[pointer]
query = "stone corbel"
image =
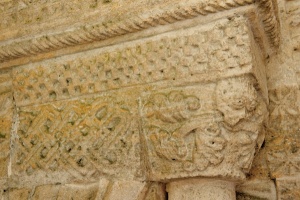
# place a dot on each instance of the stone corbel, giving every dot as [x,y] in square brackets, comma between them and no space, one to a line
[210,130]
[201,103]
[186,138]
[195,93]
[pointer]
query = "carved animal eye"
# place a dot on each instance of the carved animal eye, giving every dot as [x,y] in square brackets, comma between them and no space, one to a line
[238,104]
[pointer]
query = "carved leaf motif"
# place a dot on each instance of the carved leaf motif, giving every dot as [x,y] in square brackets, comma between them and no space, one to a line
[210,143]
[173,107]
[283,156]
[283,163]
[168,146]
[284,108]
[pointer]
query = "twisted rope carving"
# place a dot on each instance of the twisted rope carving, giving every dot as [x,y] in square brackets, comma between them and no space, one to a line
[88,34]
[267,12]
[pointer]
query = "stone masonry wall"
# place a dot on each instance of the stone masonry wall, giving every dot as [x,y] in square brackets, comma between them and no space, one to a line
[72,125]
[279,159]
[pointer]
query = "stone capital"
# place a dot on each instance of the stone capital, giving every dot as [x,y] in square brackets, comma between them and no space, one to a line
[187,138]
[166,91]
[195,98]
[212,125]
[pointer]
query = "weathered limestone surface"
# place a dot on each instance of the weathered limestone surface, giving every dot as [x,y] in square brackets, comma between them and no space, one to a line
[189,128]
[97,105]
[201,190]
[80,138]
[288,188]
[99,23]
[221,48]
[282,141]
[6,119]
[279,158]
[187,136]
[105,189]
[16,14]
[256,189]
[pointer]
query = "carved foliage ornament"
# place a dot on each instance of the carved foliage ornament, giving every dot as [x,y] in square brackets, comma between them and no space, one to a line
[283,132]
[228,136]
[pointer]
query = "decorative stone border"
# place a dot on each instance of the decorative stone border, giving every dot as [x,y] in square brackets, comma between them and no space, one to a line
[169,13]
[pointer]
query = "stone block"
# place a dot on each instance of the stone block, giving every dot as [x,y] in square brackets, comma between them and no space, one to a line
[283,136]
[6,119]
[130,190]
[20,194]
[263,189]
[104,184]
[78,192]
[288,188]
[200,189]
[79,139]
[283,153]
[292,19]
[4,189]
[201,53]
[104,189]
[199,131]
[156,191]
[49,192]
[5,130]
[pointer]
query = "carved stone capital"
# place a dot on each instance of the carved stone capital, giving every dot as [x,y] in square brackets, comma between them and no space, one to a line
[215,126]
[186,137]
[184,102]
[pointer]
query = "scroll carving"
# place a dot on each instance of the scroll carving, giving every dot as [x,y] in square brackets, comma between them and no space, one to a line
[199,141]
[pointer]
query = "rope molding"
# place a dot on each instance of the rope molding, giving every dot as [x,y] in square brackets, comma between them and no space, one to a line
[270,21]
[98,32]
